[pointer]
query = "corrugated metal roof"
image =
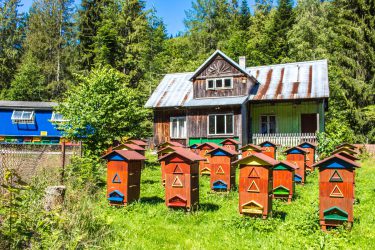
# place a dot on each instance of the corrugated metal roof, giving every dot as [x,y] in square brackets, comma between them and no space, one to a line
[218,101]
[23,104]
[300,80]
[173,91]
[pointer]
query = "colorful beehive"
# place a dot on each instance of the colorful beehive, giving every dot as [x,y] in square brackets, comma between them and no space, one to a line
[283,180]
[162,152]
[250,149]
[223,174]
[181,178]
[194,148]
[129,146]
[336,190]
[140,143]
[346,150]
[170,144]
[231,144]
[123,176]
[269,149]
[310,157]
[205,166]
[255,184]
[297,156]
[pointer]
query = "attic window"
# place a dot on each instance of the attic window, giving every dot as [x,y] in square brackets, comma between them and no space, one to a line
[23,116]
[219,83]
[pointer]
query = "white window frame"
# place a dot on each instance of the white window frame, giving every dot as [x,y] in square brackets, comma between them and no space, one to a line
[225,124]
[53,118]
[21,119]
[178,118]
[223,81]
[268,123]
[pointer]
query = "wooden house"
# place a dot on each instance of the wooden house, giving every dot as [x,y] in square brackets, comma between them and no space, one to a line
[205,166]
[310,157]
[250,149]
[225,99]
[230,143]
[161,153]
[297,156]
[255,184]
[269,149]
[223,173]
[123,176]
[336,190]
[283,180]
[181,179]
[129,146]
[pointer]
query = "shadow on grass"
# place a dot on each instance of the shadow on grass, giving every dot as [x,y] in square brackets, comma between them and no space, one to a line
[279,214]
[153,200]
[149,181]
[208,207]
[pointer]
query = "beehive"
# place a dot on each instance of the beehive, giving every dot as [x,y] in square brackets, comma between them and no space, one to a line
[232,144]
[269,149]
[297,156]
[161,153]
[310,157]
[283,180]
[249,149]
[205,166]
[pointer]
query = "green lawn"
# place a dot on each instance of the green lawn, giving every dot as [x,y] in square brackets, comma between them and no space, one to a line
[149,224]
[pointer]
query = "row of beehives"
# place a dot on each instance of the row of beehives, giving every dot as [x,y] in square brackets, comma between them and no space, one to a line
[261,176]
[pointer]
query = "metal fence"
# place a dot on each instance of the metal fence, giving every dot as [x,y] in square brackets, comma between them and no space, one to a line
[285,139]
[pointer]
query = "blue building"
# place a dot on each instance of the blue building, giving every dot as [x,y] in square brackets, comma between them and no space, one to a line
[29,123]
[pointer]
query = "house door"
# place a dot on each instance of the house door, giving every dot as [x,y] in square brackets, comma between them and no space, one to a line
[308,123]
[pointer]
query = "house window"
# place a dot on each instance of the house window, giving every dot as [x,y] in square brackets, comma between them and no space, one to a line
[56,117]
[219,83]
[268,124]
[220,124]
[178,127]
[23,117]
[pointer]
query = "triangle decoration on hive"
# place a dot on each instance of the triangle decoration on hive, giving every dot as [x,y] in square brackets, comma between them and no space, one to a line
[220,170]
[177,182]
[253,173]
[116,179]
[336,192]
[177,170]
[335,177]
[253,188]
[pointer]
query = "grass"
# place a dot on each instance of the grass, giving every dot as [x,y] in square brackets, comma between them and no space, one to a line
[149,224]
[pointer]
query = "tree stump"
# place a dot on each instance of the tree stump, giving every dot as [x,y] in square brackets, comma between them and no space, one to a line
[54,197]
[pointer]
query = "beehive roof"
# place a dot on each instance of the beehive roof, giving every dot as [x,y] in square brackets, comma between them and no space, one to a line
[138,142]
[129,146]
[127,154]
[227,150]
[348,150]
[256,147]
[260,156]
[185,153]
[211,144]
[298,148]
[309,143]
[168,147]
[230,140]
[172,143]
[267,142]
[336,156]
[288,164]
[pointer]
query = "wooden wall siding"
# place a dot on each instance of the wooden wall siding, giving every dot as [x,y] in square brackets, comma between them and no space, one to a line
[288,115]
[162,125]
[197,120]
[221,68]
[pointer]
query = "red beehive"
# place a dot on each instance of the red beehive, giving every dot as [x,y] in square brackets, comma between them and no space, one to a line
[140,143]
[194,148]
[129,146]
[310,157]
[297,156]
[123,176]
[170,144]
[336,190]
[269,149]
[255,184]
[231,144]
[283,180]
[162,152]
[250,149]
[223,174]
[205,166]
[181,178]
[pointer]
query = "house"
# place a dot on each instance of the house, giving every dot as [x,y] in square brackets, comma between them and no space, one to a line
[224,99]
[29,123]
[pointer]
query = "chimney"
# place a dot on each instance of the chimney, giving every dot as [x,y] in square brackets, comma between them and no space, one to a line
[242,61]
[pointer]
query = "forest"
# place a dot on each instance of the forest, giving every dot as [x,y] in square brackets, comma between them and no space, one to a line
[46,53]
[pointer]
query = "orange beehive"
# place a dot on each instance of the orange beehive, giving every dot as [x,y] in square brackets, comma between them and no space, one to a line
[250,149]
[230,143]
[181,178]
[269,149]
[310,157]
[194,148]
[170,144]
[123,176]
[162,152]
[283,180]
[336,190]
[255,184]
[205,166]
[297,156]
[223,174]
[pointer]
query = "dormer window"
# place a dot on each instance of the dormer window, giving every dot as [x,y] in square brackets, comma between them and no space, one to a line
[219,83]
[23,117]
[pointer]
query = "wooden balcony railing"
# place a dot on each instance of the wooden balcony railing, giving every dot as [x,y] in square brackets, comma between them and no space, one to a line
[285,139]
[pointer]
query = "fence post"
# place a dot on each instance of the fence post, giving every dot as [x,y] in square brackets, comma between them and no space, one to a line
[62,162]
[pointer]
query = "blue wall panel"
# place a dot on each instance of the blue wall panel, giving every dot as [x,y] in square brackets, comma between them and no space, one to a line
[42,123]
